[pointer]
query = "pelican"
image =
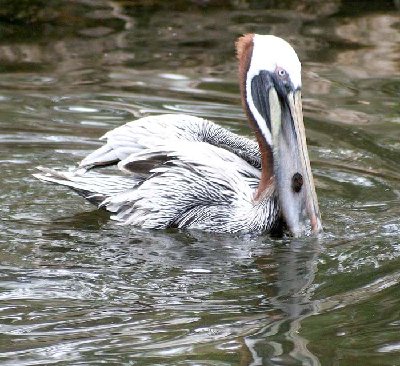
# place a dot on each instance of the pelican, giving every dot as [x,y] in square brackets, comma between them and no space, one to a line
[180,171]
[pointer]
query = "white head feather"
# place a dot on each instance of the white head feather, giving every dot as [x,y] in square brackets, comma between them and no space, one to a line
[269,53]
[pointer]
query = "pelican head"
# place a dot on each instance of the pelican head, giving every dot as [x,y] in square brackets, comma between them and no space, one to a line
[270,83]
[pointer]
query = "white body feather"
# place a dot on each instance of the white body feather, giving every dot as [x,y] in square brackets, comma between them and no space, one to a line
[178,171]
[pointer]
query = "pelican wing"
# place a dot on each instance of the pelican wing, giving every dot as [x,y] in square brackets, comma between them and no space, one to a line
[199,186]
[147,132]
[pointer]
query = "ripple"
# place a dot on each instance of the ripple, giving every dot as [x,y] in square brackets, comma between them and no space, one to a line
[96,31]
[394,347]
[343,177]
[80,109]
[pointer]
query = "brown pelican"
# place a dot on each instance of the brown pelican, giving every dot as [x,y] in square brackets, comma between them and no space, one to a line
[187,172]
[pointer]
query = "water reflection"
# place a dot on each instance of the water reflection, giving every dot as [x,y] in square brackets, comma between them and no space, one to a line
[295,264]
[76,288]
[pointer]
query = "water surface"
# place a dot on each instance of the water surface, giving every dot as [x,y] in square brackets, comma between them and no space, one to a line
[76,289]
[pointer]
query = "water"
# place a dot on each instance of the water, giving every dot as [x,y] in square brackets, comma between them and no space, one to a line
[75,289]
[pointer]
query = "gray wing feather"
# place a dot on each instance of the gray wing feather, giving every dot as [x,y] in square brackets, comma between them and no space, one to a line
[200,186]
[94,187]
[150,131]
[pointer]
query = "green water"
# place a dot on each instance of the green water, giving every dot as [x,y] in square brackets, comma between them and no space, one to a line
[76,289]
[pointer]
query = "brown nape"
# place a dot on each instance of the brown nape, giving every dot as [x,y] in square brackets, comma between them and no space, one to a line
[267,168]
[244,52]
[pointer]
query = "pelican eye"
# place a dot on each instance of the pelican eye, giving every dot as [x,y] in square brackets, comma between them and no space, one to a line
[281,73]
[297,182]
